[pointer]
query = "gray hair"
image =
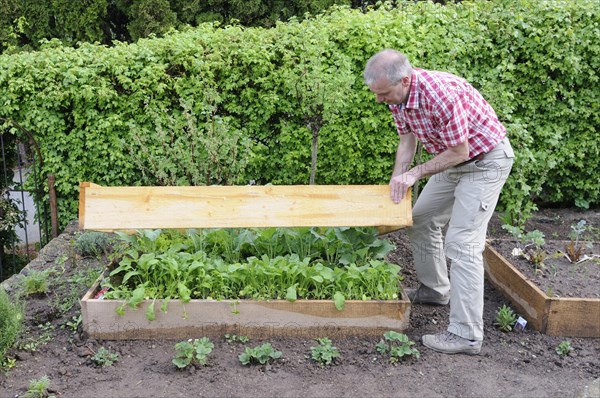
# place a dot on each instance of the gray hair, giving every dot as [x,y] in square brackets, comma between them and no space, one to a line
[389,64]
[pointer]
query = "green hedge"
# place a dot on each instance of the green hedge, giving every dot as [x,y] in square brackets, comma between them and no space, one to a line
[119,116]
[26,24]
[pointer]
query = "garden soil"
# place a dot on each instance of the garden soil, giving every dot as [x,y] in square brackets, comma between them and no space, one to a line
[515,364]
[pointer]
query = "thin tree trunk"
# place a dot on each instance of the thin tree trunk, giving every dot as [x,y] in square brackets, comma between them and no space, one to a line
[313,161]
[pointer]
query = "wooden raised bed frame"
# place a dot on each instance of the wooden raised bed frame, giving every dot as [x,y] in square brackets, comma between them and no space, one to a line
[131,208]
[568,317]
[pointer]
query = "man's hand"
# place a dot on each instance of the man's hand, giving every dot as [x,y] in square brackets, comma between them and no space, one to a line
[399,185]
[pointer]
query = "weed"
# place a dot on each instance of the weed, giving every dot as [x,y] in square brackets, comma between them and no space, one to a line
[398,345]
[104,357]
[190,351]
[11,322]
[7,364]
[259,354]
[61,261]
[505,318]
[564,348]
[39,388]
[324,353]
[32,343]
[233,339]
[36,282]
[74,323]
[86,277]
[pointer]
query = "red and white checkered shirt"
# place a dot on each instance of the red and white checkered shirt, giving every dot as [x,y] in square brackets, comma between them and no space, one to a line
[443,111]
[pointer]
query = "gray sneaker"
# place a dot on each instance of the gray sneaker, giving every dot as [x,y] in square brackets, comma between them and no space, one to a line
[425,295]
[450,343]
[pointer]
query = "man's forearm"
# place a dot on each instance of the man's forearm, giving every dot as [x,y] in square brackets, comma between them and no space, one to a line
[443,161]
[404,155]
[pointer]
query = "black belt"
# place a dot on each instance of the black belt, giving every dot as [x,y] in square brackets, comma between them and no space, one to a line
[473,159]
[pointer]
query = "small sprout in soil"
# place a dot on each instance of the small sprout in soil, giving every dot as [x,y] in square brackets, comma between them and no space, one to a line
[564,348]
[398,345]
[104,357]
[574,249]
[7,364]
[234,339]
[505,318]
[73,323]
[38,388]
[324,353]
[192,351]
[259,354]
[529,245]
[31,343]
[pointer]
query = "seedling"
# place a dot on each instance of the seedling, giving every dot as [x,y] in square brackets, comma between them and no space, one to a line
[529,245]
[36,282]
[574,249]
[32,343]
[7,364]
[324,353]
[398,345]
[104,357]
[259,354]
[39,388]
[564,348]
[192,351]
[74,323]
[505,318]
[233,339]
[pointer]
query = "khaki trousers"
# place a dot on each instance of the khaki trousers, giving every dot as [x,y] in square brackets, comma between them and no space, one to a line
[464,197]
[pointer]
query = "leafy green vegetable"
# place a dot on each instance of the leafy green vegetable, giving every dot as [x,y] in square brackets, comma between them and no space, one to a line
[260,354]
[196,265]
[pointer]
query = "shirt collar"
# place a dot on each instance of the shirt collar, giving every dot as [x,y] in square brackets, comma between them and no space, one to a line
[413,93]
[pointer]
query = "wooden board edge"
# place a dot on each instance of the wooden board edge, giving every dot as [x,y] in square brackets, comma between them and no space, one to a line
[252,332]
[528,299]
[83,186]
[574,317]
[100,322]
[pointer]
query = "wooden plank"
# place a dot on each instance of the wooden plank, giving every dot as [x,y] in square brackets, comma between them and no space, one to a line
[574,317]
[127,208]
[255,319]
[83,186]
[528,299]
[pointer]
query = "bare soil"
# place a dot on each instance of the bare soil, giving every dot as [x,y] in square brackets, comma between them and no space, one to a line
[554,272]
[518,364]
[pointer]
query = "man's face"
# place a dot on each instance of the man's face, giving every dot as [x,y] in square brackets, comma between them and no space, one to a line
[390,94]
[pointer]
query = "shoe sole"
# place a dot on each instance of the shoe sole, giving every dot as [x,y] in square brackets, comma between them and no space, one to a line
[472,351]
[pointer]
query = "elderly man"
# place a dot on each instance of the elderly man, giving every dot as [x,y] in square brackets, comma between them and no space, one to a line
[473,158]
